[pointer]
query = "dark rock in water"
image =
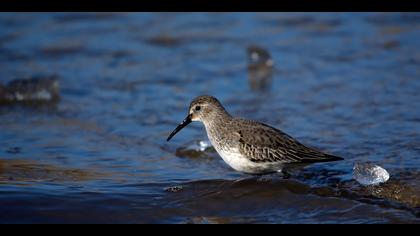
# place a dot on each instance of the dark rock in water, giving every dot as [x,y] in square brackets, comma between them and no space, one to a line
[35,89]
[195,149]
[405,188]
[174,189]
[260,68]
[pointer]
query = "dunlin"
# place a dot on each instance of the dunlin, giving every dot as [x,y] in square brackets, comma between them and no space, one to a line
[249,146]
[260,68]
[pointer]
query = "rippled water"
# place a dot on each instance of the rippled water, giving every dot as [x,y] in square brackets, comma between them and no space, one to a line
[345,83]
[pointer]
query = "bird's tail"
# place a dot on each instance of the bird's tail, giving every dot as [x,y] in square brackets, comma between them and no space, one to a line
[325,158]
[329,157]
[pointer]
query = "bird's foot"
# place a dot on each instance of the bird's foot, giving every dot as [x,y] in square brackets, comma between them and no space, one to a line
[284,174]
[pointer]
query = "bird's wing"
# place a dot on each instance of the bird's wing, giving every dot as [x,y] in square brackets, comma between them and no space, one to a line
[266,143]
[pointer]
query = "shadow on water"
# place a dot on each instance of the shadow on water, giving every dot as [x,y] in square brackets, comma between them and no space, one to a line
[245,200]
[249,200]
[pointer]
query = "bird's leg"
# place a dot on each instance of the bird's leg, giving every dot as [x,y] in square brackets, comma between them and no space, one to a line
[245,178]
[284,174]
[265,178]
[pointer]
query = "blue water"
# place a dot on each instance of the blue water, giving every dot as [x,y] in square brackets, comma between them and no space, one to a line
[346,83]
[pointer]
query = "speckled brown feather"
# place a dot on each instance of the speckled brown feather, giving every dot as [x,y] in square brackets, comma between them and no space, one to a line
[249,146]
[263,143]
[257,141]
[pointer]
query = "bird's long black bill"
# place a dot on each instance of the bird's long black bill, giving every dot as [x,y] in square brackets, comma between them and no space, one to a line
[184,123]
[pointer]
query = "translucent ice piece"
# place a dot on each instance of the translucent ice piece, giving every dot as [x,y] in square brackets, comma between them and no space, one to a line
[202,145]
[198,146]
[369,174]
[195,148]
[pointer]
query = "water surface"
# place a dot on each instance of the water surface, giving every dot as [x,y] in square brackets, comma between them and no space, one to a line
[345,83]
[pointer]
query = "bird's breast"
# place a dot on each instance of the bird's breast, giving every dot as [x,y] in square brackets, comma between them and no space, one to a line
[234,158]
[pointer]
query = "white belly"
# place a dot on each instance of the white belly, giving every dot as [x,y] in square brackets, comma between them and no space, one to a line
[242,164]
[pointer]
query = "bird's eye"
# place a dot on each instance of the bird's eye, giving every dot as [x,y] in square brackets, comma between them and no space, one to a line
[197,108]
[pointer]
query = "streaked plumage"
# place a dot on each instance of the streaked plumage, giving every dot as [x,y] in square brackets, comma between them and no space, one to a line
[249,146]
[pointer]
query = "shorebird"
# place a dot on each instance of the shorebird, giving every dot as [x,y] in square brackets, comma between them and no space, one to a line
[260,68]
[248,146]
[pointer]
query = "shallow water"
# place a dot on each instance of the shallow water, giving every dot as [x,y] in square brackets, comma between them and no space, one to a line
[345,83]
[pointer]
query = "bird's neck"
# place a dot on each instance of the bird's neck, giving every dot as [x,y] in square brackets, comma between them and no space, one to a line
[217,120]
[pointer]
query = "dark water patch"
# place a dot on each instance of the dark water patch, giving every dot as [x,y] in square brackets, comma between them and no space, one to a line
[240,199]
[290,21]
[121,54]
[8,55]
[165,41]
[14,150]
[391,44]
[16,171]
[313,22]
[395,19]
[190,39]
[58,50]
[4,39]
[77,17]
[62,50]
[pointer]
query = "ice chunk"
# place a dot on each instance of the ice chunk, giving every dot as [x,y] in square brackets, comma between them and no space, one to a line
[203,145]
[199,146]
[369,174]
